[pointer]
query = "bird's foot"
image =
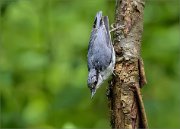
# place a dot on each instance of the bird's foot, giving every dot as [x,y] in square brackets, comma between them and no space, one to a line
[115,27]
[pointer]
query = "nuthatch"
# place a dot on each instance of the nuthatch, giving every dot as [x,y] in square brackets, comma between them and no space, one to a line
[101,55]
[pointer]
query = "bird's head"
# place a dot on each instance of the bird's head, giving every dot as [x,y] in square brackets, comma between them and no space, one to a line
[92,81]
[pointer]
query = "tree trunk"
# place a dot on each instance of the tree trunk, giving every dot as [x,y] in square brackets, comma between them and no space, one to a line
[125,101]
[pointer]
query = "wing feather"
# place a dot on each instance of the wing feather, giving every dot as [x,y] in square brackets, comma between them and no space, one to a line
[99,54]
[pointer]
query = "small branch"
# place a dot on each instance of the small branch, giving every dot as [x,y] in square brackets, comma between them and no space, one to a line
[144,121]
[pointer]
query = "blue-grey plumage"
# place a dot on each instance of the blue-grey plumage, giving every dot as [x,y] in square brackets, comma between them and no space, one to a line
[101,55]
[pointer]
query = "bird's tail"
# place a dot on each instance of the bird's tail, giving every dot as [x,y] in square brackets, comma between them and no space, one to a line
[98,20]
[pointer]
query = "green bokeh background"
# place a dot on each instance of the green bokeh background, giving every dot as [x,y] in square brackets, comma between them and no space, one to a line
[43,67]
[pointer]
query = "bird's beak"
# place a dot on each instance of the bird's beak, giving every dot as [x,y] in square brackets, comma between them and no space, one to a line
[93,91]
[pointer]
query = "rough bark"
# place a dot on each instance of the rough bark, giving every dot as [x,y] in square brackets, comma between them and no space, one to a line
[125,101]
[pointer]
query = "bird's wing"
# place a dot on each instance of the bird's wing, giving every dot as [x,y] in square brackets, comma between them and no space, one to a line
[99,52]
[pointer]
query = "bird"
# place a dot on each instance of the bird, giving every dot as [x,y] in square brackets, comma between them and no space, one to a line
[101,54]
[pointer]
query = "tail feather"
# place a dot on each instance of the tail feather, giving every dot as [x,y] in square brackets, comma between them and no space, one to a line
[106,23]
[98,18]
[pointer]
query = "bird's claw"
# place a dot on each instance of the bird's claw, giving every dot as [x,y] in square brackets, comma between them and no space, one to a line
[114,27]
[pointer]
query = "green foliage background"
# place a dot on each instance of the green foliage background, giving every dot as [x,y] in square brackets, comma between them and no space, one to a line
[43,68]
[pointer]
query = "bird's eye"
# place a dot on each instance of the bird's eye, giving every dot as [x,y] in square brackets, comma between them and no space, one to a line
[95,83]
